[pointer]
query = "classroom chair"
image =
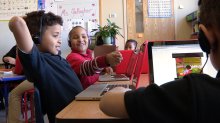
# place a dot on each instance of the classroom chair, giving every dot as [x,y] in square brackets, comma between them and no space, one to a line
[39,116]
[35,105]
[28,93]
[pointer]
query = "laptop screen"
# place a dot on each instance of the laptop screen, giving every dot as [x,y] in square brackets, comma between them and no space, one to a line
[170,60]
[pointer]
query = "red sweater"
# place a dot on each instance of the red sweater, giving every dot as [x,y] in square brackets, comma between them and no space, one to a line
[18,69]
[86,68]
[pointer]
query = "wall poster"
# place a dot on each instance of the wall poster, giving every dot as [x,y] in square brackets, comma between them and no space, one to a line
[78,12]
[159,8]
[10,8]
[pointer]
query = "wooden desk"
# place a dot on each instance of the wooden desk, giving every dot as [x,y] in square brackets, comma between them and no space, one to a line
[89,112]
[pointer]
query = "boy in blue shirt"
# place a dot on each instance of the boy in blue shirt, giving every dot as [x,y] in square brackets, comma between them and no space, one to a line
[38,38]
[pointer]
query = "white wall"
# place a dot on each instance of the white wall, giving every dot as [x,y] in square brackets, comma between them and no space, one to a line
[183,29]
[115,7]
[7,40]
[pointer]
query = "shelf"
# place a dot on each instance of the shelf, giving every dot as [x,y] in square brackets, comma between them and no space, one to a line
[192,16]
[194,36]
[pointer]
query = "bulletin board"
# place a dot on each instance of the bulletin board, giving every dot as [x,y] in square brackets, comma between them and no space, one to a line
[159,8]
[10,8]
[83,13]
[74,12]
[79,12]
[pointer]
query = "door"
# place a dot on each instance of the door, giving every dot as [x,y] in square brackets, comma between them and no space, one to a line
[141,27]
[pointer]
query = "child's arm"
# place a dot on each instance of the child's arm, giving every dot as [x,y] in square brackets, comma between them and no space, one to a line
[96,65]
[112,103]
[21,33]
[9,57]
[9,60]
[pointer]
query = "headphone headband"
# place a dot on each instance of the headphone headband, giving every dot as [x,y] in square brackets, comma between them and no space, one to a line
[203,42]
[38,36]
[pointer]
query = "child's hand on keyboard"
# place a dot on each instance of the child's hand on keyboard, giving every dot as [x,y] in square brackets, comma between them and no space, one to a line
[108,70]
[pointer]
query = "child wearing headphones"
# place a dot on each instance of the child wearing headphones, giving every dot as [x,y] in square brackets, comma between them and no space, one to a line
[38,37]
[193,99]
[81,61]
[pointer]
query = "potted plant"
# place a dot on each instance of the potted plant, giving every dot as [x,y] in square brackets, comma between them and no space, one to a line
[108,32]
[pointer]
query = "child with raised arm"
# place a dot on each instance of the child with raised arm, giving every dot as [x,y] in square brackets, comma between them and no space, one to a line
[80,59]
[38,38]
[193,99]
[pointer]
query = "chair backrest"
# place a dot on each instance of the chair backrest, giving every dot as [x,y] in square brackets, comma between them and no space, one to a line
[39,116]
[103,50]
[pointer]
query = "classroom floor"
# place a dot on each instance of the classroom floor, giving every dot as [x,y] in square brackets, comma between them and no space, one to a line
[3,117]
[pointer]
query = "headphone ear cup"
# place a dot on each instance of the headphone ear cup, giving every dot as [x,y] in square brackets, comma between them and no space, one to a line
[69,43]
[36,39]
[203,42]
[89,40]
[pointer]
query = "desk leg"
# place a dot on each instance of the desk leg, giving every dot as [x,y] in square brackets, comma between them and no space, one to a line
[2,103]
[5,94]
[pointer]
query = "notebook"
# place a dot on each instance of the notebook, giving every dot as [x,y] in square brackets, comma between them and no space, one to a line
[129,62]
[171,60]
[96,91]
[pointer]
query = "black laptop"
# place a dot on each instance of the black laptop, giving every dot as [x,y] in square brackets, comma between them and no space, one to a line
[170,60]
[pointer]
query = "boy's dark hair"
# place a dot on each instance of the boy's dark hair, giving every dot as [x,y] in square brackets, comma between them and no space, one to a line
[131,41]
[37,21]
[209,13]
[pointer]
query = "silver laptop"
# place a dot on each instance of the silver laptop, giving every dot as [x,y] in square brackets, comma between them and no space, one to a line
[122,77]
[113,77]
[96,91]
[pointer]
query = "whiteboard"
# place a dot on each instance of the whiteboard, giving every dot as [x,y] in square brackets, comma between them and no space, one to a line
[79,12]
[10,8]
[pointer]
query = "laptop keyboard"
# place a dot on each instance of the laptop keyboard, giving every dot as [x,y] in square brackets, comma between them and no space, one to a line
[109,87]
[118,76]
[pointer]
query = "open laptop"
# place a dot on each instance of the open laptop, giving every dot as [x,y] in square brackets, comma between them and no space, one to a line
[96,91]
[168,60]
[128,63]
